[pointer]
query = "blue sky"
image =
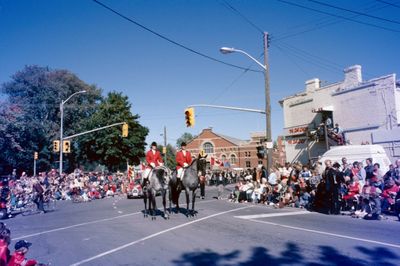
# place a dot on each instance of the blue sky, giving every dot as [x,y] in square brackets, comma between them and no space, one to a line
[162,79]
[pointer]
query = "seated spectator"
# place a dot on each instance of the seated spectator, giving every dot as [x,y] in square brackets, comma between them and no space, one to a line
[370,203]
[18,258]
[353,193]
[305,173]
[388,195]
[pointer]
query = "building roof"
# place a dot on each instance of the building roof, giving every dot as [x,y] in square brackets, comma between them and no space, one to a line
[233,140]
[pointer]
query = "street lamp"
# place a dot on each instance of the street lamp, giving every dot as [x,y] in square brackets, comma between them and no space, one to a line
[265,66]
[62,127]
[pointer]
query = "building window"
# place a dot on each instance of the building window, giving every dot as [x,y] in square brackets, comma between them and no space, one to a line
[249,154]
[208,147]
[233,159]
[248,165]
[260,162]
[223,158]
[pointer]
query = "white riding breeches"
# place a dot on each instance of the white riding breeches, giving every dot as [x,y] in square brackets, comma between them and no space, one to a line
[180,173]
[146,173]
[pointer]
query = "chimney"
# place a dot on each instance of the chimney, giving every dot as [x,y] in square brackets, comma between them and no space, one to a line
[352,76]
[312,85]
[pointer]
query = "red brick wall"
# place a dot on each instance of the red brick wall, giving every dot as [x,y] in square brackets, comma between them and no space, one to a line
[244,153]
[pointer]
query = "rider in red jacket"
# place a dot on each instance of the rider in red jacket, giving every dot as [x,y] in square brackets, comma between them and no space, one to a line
[153,159]
[183,160]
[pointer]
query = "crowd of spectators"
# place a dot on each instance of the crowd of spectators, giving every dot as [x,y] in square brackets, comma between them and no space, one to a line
[77,186]
[364,191]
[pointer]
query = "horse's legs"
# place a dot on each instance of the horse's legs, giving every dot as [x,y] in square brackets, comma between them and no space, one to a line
[154,207]
[145,196]
[170,199]
[187,201]
[164,198]
[193,200]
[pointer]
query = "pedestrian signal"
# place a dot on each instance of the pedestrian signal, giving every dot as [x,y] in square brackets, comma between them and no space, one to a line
[66,146]
[35,155]
[56,146]
[125,130]
[189,117]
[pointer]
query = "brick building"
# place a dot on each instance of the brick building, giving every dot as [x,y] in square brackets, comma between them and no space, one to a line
[228,152]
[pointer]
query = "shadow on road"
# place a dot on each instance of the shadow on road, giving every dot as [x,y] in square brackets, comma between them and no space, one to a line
[324,255]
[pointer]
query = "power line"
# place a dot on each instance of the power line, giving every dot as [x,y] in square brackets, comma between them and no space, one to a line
[389,3]
[234,10]
[354,12]
[170,40]
[338,16]
[322,23]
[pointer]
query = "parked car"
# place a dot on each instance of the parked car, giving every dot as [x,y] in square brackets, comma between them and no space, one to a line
[135,189]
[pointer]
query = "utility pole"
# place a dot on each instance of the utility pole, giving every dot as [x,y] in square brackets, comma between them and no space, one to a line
[165,145]
[61,137]
[267,104]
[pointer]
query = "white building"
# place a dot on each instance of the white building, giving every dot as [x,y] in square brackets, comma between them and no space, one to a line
[367,111]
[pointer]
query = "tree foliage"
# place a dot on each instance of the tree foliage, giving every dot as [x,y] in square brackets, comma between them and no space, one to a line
[171,153]
[30,120]
[186,137]
[108,146]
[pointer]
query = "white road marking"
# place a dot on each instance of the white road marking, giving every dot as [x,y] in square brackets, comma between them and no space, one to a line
[83,224]
[154,235]
[75,225]
[328,234]
[267,215]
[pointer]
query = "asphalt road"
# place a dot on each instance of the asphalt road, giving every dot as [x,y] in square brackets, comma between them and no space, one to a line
[114,232]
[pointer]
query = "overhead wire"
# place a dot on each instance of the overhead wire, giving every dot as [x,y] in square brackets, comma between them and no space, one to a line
[237,12]
[354,12]
[327,21]
[339,16]
[389,3]
[169,39]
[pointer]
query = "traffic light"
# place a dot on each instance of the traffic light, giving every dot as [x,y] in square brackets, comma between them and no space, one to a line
[164,150]
[35,155]
[66,146]
[56,146]
[189,117]
[202,153]
[260,152]
[125,130]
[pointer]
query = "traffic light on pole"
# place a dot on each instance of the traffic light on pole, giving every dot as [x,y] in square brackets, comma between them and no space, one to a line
[56,146]
[125,130]
[35,155]
[260,152]
[189,117]
[66,146]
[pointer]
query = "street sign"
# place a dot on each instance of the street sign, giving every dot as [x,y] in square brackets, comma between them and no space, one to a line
[270,145]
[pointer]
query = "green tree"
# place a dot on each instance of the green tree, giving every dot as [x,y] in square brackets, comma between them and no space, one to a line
[186,137]
[171,153]
[30,117]
[107,146]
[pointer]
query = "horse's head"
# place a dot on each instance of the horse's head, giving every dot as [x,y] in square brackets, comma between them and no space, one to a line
[201,164]
[164,173]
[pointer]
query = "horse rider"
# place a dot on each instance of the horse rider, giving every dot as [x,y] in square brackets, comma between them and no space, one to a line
[183,160]
[153,159]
